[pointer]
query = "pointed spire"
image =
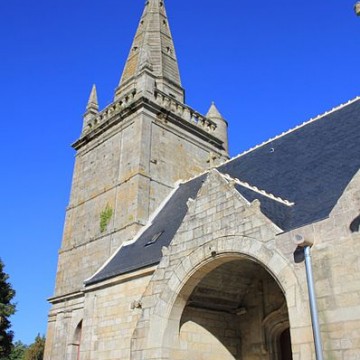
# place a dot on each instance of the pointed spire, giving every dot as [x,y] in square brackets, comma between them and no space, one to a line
[92,109]
[153,52]
[213,112]
[221,124]
[92,105]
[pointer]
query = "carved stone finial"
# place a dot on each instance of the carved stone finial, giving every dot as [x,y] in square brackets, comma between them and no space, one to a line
[92,109]
[165,251]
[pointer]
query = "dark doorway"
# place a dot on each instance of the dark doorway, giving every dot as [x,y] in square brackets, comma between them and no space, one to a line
[285,345]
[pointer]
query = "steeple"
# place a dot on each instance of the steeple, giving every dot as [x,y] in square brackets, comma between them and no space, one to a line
[152,60]
[129,157]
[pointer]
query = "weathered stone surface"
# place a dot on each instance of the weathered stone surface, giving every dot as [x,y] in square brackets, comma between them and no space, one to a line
[227,285]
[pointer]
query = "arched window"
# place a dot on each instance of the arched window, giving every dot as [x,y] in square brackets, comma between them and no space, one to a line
[76,342]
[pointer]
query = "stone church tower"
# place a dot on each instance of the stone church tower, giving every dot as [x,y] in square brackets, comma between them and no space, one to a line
[172,251]
[130,155]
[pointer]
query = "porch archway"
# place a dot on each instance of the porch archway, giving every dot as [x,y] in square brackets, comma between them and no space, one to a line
[166,325]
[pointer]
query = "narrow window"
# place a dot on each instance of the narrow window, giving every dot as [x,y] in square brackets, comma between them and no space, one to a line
[77,341]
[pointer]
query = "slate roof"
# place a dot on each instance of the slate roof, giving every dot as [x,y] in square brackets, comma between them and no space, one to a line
[279,213]
[146,250]
[309,166]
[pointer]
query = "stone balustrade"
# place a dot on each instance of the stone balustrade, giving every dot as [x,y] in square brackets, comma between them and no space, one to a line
[184,111]
[162,99]
[110,111]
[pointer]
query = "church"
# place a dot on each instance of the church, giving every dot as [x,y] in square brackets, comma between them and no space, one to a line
[173,251]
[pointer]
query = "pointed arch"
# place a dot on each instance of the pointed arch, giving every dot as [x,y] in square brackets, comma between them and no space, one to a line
[76,342]
[162,320]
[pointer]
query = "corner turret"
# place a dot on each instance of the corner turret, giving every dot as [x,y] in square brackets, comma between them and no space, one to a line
[221,125]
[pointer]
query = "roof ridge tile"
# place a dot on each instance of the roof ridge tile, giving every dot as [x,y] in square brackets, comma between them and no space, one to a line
[259,191]
[311,120]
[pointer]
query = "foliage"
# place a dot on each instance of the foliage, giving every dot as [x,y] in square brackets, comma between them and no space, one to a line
[36,350]
[357,8]
[22,352]
[7,308]
[105,217]
[17,352]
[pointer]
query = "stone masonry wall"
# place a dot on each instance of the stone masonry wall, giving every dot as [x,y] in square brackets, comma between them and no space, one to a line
[64,318]
[129,171]
[219,220]
[108,316]
[336,265]
[208,335]
[110,319]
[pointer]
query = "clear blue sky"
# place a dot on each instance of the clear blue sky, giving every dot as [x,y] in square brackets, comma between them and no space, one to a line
[268,65]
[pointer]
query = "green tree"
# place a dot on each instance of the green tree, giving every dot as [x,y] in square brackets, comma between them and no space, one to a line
[18,351]
[7,308]
[36,350]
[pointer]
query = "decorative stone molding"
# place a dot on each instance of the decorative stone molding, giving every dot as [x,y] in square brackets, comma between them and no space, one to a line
[110,111]
[171,104]
[274,325]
